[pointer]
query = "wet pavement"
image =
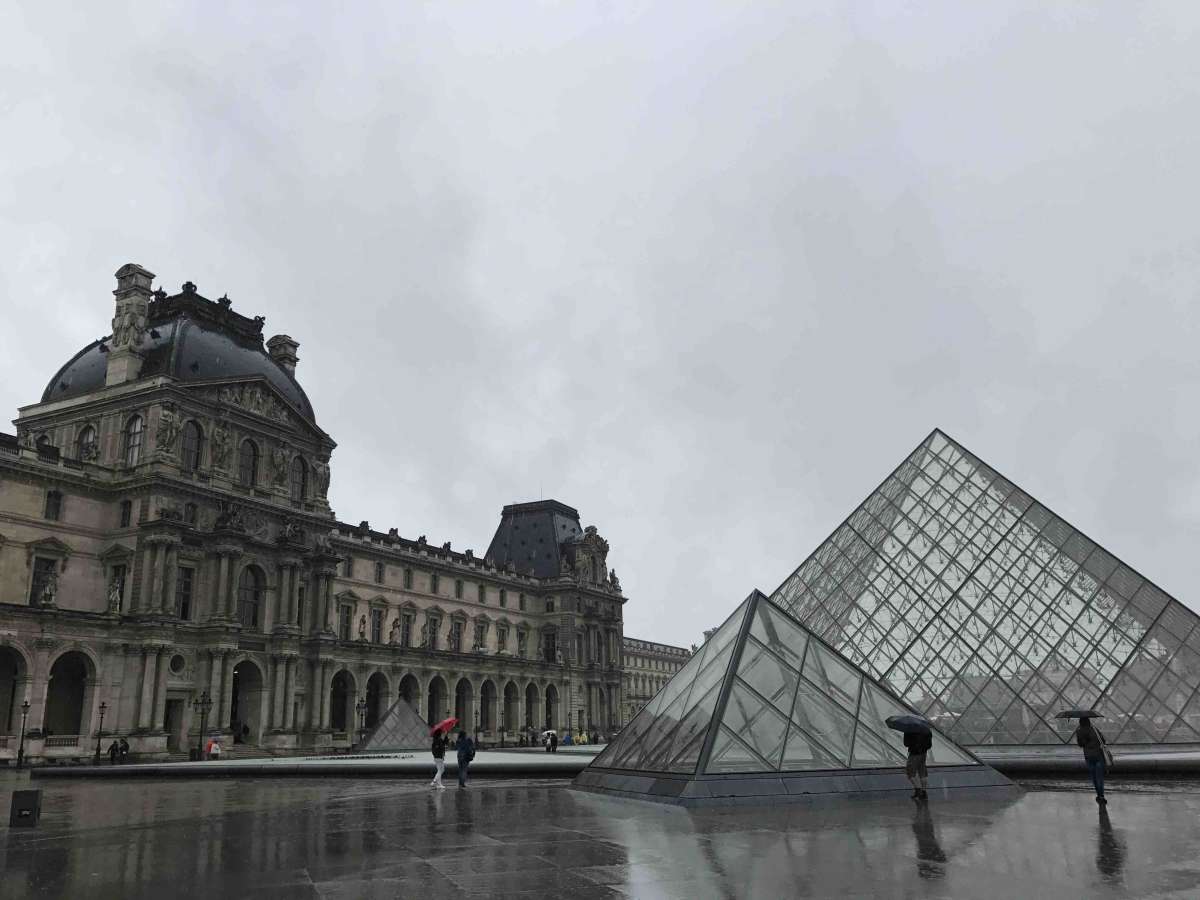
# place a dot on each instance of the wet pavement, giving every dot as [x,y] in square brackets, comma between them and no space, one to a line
[339,838]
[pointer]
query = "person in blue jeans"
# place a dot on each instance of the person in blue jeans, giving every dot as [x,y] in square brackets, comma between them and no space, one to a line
[466,752]
[1092,741]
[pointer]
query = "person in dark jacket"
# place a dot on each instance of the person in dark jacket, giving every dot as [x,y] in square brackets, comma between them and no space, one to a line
[918,745]
[114,750]
[554,742]
[1088,737]
[124,750]
[466,752]
[439,760]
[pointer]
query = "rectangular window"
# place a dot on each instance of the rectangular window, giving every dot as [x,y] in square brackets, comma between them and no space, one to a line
[522,640]
[54,505]
[408,578]
[45,579]
[550,646]
[521,603]
[456,630]
[126,513]
[501,637]
[379,573]
[549,606]
[435,626]
[348,567]
[377,626]
[184,580]
[503,597]
[482,594]
[345,614]
[117,585]
[406,627]
[434,582]
[458,588]
[480,635]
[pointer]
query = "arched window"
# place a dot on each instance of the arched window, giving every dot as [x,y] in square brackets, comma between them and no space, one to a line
[250,596]
[248,464]
[299,479]
[193,437]
[131,453]
[85,444]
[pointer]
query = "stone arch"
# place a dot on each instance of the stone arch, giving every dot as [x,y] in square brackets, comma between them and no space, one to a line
[436,700]
[252,586]
[70,689]
[410,691]
[512,706]
[341,700]
[464,704]
[247,701]
[487,705]
[378,697]
[532,702]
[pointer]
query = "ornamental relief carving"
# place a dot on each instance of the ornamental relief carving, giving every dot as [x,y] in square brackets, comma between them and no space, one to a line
[252,398]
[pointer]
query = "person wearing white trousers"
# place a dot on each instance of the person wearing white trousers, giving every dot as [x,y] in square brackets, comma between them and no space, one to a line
[439,760]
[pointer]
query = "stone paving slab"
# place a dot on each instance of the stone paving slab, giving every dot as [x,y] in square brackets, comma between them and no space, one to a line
[320,838]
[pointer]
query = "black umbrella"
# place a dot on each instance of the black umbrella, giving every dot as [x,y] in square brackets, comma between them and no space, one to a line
[1079,714]
[909,724]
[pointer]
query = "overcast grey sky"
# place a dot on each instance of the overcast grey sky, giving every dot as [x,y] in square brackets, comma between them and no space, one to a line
[704,272]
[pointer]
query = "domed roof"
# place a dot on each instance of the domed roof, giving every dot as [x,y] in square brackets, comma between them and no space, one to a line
[188,338]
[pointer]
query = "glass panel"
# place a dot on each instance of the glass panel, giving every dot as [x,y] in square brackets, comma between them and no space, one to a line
[689,737]
[945,753]
[871,752]
[832,676]
[731,755]
[876,707]
[755,721]
[802,752]
[821,718]
[656,742]
[767,674]
[779,634]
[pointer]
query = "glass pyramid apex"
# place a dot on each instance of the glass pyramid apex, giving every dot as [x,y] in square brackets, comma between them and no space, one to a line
[988,613]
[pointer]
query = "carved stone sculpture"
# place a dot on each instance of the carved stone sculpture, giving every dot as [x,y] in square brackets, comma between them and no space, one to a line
[362,628]
[279,464]
[321,475]
[614,581]
[219,445]
[168,430]
[229,518]
[394,634]
[114,596]
[49,589]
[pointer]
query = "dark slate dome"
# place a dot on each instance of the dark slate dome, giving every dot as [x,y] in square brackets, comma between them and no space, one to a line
[190,338]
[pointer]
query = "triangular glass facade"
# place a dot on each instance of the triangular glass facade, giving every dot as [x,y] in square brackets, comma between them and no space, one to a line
[764,695]
[988,613]
[399,729]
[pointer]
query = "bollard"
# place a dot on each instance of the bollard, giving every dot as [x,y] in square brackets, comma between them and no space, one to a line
[26,809]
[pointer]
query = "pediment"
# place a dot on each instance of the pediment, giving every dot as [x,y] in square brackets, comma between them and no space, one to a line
[347,597]
[115,553]
[255,397]
[50,546]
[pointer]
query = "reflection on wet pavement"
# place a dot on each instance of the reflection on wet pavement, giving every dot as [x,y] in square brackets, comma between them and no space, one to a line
[343,839]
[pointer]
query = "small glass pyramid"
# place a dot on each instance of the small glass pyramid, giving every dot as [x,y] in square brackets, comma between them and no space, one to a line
[400,728]
[988,613]
[764,696]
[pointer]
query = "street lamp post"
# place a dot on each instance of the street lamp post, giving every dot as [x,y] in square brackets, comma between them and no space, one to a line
[204,704]
[21,745]
[99,732]
[476,726]
[361,708]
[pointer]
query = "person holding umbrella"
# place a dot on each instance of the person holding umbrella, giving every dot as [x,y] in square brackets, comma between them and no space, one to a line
[438,732]
[1095,747]
[918,738]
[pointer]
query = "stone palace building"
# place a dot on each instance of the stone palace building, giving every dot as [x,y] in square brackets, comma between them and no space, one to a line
[647,667]
[166,538]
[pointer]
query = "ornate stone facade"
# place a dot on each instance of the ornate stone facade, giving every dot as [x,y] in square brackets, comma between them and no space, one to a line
[646,668]
[166,535]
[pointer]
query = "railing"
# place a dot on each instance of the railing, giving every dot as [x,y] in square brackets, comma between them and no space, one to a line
[341,735]
[4,741]
[61,740]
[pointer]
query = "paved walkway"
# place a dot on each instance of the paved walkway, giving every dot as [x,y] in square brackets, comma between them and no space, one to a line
[534,839]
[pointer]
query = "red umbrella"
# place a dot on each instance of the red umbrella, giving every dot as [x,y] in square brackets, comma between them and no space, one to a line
[444,725]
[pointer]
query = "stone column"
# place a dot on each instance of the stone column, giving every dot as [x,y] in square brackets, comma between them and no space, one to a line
[324,688]
[145,598]
[330,607]
[224,709]
[279,663]
[230,590]
[146,705]
[214,682]
[293,598]
[218,610]
[289,693]
[157,601]
[160,688]
[314,696]
[171,580]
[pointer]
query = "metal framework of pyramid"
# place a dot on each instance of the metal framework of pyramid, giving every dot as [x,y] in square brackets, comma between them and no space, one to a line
[400,728]
[766,710]
[988,613]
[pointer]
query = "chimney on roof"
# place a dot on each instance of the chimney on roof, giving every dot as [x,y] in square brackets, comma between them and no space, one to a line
[128,324]
[283,350]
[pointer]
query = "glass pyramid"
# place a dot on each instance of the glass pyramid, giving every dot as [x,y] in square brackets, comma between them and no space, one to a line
[764,695]
[988,613]
[400,728]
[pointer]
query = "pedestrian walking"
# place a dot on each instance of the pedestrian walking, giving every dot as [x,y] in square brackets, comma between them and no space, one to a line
[918,744]
[466,752]
[554,742]
[1094,746]
[124,755]
[439,760]
[114,751]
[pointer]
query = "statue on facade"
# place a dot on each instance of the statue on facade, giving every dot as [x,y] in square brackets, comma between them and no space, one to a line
[129,326]
[425,636]
[583,567]
[394,634]
[291,531]
[322,544]
[219,445]
[114,596]
[279,464]
[564,565]
[614,581]
[321,475]
[446,547]
[168,430]
[49,589]
[362,628]
[469,556]
[229,517]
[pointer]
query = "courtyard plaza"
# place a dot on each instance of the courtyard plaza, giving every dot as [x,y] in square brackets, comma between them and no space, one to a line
[376,838]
